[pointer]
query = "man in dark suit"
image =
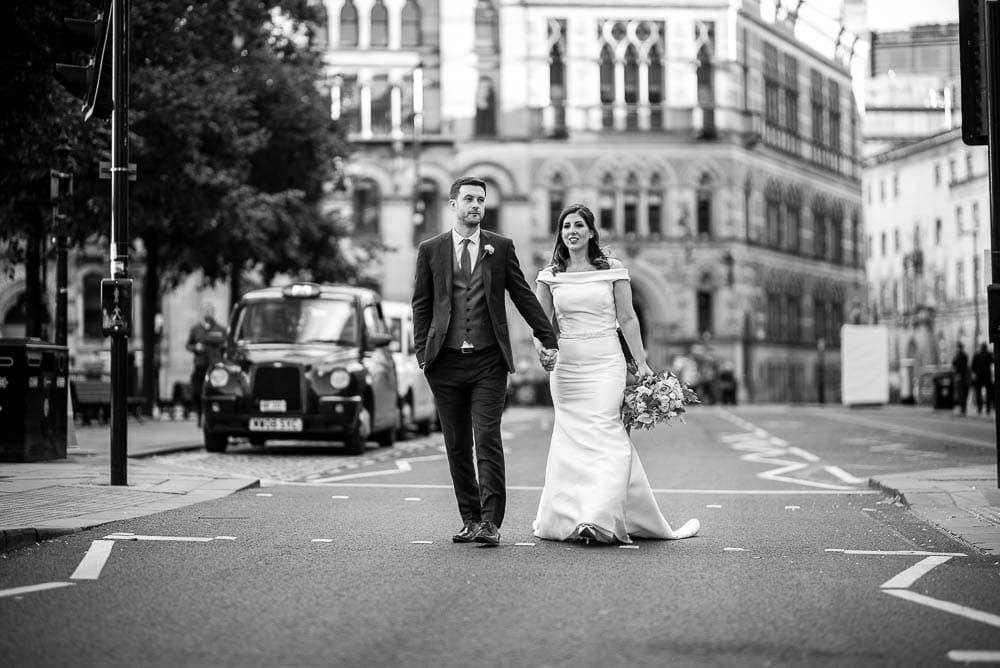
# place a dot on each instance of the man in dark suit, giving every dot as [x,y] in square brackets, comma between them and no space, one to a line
[463,346]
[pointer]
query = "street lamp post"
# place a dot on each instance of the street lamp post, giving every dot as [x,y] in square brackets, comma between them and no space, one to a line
[419,214]
[61,188]
[821,370]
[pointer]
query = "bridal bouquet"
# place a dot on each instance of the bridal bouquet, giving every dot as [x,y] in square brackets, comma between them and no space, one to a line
[656,398]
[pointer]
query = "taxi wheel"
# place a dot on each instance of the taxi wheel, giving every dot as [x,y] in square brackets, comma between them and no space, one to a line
[215,442]
[387,438]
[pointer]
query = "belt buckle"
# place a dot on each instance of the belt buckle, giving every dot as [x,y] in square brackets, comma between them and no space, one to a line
[467,348]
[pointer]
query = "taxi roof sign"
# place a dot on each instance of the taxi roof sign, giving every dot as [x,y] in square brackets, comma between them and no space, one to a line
[301,290]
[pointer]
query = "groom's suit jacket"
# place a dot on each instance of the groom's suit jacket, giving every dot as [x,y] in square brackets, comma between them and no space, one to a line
[432,298]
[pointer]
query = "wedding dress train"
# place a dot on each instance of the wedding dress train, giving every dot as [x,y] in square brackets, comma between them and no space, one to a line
[595,485]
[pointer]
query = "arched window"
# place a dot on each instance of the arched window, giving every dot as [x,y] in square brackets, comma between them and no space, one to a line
[92,315]
[486,120]
[655,76]
[793,221]
[367,207]
[486,26]
[772,215]
[606,203]
[607,86]
[557,201]
[705,307]
[704,206]
[348,24]
[631,204]
[557,85]
[819,231]
[706,91]
[427,215]
[380,24]
[411,35]
[654,205]
[494,207]
[631,87]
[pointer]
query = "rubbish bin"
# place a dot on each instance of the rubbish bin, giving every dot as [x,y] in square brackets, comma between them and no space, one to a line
[944,392]
[34,389]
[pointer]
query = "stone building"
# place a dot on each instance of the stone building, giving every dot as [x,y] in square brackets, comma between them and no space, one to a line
[927,215]
[718,147]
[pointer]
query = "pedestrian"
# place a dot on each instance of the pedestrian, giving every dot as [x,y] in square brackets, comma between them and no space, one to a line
[463,346]
[205,341]
[982,378]
[960,374]
[595,485]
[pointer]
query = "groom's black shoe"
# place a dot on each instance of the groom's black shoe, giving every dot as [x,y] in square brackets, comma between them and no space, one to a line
[468,532]
[488,534]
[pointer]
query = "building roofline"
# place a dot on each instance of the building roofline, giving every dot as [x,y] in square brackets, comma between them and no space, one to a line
[913,147]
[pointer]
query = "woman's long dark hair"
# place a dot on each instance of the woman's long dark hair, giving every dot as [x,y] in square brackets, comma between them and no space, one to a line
[560,254]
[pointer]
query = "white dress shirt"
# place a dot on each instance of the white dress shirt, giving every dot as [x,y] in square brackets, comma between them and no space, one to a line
[456,240]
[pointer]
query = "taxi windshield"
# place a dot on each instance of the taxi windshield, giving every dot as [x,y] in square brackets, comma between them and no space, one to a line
[297,321]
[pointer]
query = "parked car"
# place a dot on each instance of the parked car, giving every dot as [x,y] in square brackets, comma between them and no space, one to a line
[415,395]
[304,361]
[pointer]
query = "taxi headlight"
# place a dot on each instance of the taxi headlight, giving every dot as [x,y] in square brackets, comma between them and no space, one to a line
[218,377]
[339,379]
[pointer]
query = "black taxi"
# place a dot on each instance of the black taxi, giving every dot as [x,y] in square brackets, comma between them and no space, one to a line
[304,362]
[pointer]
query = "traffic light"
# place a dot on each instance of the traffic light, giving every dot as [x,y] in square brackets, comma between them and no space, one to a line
[91,82]
[972,59]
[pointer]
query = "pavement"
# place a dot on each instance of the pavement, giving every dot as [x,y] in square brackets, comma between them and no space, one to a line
[43,500]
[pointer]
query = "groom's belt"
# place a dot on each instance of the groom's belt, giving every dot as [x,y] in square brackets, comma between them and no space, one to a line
[469,350]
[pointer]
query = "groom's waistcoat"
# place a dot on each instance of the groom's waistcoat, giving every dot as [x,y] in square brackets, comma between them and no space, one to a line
[470,319]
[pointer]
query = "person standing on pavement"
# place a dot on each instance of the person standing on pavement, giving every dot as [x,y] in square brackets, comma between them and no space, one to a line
[462,344]
[960,374]
[982,378]
[205,341]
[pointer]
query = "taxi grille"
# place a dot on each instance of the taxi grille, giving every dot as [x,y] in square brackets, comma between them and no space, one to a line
[278,382]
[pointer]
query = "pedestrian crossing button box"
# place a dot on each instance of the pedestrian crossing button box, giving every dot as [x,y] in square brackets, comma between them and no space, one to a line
[993,313]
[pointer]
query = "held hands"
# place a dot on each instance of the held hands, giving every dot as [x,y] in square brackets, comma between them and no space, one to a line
[643,371]
[547,357]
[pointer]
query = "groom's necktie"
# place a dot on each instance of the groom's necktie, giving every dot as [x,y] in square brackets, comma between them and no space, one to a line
[465,260]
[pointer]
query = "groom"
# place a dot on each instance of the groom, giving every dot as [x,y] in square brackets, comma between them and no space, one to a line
[462,344]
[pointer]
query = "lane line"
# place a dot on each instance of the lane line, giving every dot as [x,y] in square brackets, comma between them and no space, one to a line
[182,539]
[905,553]
[93,562]
[30,589]
[914,573]
[841,491]
[945,606]
[975,655]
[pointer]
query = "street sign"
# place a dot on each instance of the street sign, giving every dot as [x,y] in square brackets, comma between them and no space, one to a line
[116,307]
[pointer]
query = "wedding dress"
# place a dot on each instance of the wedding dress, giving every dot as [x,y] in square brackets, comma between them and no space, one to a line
[595,485]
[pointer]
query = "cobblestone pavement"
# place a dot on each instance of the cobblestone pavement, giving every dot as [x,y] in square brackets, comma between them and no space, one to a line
[294,462]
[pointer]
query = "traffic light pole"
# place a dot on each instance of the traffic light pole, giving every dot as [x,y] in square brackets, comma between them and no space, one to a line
[119,235]
[991,29]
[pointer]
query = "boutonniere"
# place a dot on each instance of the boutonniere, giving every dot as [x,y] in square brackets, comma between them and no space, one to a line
[488,249]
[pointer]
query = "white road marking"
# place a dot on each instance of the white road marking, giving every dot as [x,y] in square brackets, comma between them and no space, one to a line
[92,563]
[225,538]
[265,494]
[841,491]
[974,656]
[945,606]
[793,507]
[524,544]
[733,549]
[30,589]
[834,549]
[838,472]
[906,553]
[402,466]
[913,573]
[182,539]
[713,505]
[422,542]
[322,540]
[340,496]
[869,510]
[628,547]
[412,498]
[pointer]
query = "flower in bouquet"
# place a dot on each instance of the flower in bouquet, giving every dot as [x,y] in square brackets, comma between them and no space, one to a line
[656,398]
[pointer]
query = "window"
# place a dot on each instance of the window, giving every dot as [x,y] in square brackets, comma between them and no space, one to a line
[881,190]
[367,205]
[706,91]
[895,186]
[772,87]
[895,240]
[792,224]
[884,244]
[937,231]
[772,214]
[975,215]
[348,24]
[834,116]
[791,78]
[381,105]
[958,220]
[557,201]
[960,279]
[819,233]
[631,205]
[379,24]
[968,165]
[557,74]
[631,87]
[937,173]
[856,255]
[494,207]
[486,26]
[486,120]
[951,171]
[793,309]
[705,325]
[411,34]
[606,205]
[655,76]
[607,73]
[654,209]
[817,109]
[92,315]
[704,204]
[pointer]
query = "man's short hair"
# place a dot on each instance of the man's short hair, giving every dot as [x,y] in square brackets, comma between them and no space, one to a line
[465,181]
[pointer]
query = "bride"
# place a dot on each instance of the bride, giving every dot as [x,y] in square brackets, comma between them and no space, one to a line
[595,485]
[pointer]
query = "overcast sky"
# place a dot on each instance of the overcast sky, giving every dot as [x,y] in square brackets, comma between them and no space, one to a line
[898,14]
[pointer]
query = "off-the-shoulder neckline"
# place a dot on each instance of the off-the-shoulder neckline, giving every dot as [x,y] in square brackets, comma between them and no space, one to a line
[585,271]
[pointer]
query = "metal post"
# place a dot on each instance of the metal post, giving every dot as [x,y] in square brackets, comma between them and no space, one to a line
[119,232]
[419,214]
[992,34]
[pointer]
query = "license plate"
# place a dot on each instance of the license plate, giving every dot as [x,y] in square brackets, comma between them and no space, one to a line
[275,424]
[272,406]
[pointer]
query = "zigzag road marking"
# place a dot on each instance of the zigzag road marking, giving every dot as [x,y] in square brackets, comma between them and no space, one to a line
[402,466]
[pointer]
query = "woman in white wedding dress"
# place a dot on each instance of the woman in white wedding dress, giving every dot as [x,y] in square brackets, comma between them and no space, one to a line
[595,485]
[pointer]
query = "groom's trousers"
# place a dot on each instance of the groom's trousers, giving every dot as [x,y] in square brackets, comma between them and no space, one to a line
[470,391]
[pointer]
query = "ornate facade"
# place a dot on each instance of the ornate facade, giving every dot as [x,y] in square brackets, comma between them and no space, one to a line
[719,151]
